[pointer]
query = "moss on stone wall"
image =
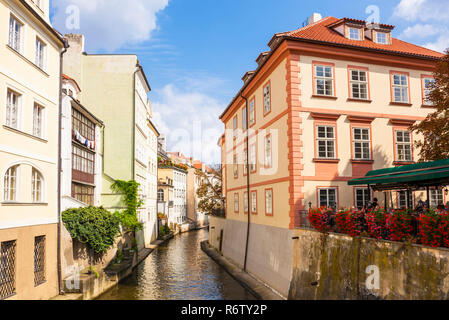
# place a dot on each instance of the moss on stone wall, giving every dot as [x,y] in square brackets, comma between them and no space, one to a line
[334,267]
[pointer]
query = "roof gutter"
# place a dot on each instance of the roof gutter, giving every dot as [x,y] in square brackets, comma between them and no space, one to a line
[59,205]
[248,185]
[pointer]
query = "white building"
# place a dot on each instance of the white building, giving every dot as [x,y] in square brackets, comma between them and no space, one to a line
[81,155]
[146,158]
[179,215]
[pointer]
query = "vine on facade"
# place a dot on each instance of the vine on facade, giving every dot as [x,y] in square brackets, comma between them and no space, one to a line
[130,192]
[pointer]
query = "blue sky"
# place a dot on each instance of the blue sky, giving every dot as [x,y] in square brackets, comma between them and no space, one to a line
[195,52]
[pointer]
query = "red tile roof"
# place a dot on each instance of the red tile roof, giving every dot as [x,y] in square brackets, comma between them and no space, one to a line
[66,77]
[320,31]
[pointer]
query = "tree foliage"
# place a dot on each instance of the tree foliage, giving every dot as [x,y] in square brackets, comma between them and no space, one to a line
[210,191]
[93,226]
[435,128]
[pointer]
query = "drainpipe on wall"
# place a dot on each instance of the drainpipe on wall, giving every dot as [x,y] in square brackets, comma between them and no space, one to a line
[247,182]
[59,237]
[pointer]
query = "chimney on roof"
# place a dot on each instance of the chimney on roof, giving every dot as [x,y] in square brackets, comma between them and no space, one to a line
[315,17]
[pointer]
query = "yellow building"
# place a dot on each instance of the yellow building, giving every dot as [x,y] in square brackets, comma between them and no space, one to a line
[30,76]
[328,103]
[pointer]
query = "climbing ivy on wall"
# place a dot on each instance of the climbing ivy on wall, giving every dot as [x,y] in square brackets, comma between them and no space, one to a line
[128,217]
[93,226]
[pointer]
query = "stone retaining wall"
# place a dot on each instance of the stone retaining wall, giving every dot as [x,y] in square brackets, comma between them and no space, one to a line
[340,267]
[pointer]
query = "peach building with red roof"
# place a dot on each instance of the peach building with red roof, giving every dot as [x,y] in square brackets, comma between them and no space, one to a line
[328,103]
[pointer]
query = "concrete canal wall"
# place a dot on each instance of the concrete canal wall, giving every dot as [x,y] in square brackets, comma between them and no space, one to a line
[340,267]
[269,252]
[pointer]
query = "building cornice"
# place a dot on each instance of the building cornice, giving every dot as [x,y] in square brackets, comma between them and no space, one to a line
[288,44]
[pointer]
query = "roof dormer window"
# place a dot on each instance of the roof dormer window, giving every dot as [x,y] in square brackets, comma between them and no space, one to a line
[354,33]
[382,38]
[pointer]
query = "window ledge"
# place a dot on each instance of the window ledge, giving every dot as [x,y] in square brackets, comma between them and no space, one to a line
[27,60]
[403,163]
[326,160]
[141,163]
[428,106]
[359,100]
[24,133]
[362,161]
[24,204]
[324,97]
[403,104]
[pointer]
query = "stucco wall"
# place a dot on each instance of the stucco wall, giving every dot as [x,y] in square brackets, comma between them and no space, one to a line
[24,261]
[334,267]
[269,251]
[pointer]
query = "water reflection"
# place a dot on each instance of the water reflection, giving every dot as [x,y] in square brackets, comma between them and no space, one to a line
[179,270]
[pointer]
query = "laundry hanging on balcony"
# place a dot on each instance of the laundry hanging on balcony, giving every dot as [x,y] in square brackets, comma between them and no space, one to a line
[85,142]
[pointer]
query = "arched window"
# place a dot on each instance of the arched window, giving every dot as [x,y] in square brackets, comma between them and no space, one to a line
[10,184]
[160,195]
[36,187]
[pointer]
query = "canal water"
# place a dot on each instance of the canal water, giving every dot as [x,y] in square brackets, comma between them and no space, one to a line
[179,270]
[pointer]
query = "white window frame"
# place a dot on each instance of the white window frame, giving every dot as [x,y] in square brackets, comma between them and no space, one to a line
[245,118]
[400,82]
[235,123]
[236,166]
[236,202]
[253,202]
[384,34]
[11,181]
[269,202]
[402,146]
[363,144]
[245,162]
[252,158]
[40,121]
[366,194]
[8,110]
[159,193]
[350,33]
[245,202]
[361,85]
[328,200]
[435,196]
[268,151]
[15,38]
[41,53]
[252,112]
[36,179]
[427,90]
[321,74]
[327,140]
[267,99]
[402,199]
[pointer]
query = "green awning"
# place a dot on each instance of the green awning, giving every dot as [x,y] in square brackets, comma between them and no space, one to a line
[413,176]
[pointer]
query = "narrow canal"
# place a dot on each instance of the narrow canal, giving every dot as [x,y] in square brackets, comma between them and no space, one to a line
[179,270]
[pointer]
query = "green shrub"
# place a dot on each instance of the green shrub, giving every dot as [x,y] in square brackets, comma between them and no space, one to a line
[164,230]
[93,226]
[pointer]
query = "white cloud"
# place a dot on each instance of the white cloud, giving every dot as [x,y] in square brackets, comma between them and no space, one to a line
[189,119]
[441,43]
[420,31]
[422,10]
[110,24]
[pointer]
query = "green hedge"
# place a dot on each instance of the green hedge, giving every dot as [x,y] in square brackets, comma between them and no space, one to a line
[93,226]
